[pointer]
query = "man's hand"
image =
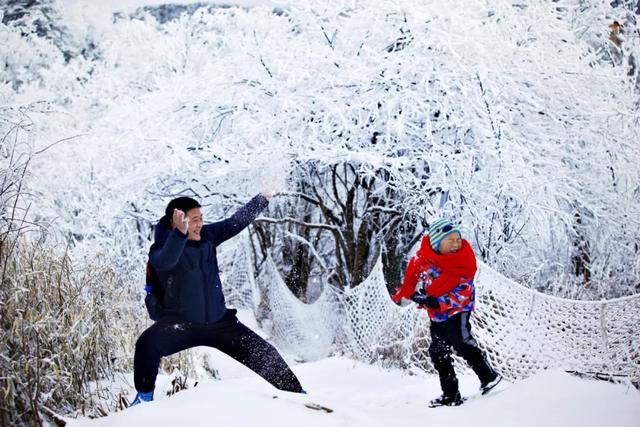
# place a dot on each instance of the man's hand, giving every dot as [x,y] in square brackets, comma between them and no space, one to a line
[426,300]
[180,221]
[268,194]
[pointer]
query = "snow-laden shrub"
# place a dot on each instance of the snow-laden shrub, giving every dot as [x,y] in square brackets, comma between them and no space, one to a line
[60,331]
[63,324]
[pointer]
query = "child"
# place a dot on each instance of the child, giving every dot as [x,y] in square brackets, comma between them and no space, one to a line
[440,278]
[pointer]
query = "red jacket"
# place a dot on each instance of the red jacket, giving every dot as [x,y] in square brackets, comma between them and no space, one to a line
[456,273]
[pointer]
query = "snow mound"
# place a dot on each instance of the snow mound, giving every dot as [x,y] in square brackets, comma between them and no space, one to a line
[364,395]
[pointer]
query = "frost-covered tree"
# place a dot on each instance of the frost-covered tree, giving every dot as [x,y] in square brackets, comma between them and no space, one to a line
[500,115]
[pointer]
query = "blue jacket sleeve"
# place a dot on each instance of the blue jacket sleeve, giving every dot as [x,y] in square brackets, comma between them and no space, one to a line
[165,257]
[220,231]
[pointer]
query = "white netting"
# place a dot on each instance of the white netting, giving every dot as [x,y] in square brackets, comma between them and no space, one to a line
[386,326]
[522,331]
[526,331]
[240,286]
[307,330]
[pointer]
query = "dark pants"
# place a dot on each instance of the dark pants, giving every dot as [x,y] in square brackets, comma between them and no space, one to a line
[455,333]
[169,336]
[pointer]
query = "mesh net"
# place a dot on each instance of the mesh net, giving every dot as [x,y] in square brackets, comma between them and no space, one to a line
[239,286]
[520,330]
[306,330]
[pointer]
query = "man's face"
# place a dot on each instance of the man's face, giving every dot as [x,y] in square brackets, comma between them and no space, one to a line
[195,223]
[451,244]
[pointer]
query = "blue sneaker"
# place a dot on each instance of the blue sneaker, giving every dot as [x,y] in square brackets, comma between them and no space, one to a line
[142,397]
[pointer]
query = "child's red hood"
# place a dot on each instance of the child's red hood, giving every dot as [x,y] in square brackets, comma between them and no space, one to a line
[461,263]
[452,267]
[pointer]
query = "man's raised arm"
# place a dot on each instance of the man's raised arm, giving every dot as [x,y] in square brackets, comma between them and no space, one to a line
[223,230]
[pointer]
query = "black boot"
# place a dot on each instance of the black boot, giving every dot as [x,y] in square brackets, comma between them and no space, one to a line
[485,387]
[444,400]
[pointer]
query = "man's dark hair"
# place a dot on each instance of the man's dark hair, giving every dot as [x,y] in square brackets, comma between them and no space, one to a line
[185,204]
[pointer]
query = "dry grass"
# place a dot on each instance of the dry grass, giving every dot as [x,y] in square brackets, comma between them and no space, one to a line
[60,333]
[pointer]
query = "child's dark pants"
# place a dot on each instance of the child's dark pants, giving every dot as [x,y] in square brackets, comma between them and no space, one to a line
[455,333]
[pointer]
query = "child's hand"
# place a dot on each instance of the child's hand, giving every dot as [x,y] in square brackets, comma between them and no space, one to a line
[426,300]
[397,296]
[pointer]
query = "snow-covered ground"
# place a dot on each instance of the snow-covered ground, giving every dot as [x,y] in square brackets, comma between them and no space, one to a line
[363,395]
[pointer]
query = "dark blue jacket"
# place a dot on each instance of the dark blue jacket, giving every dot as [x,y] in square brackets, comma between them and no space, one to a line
[188,269]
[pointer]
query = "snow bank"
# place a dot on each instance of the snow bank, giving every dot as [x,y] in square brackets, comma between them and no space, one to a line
[363,395]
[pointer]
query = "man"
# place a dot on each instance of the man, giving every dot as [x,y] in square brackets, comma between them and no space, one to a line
[183,257]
